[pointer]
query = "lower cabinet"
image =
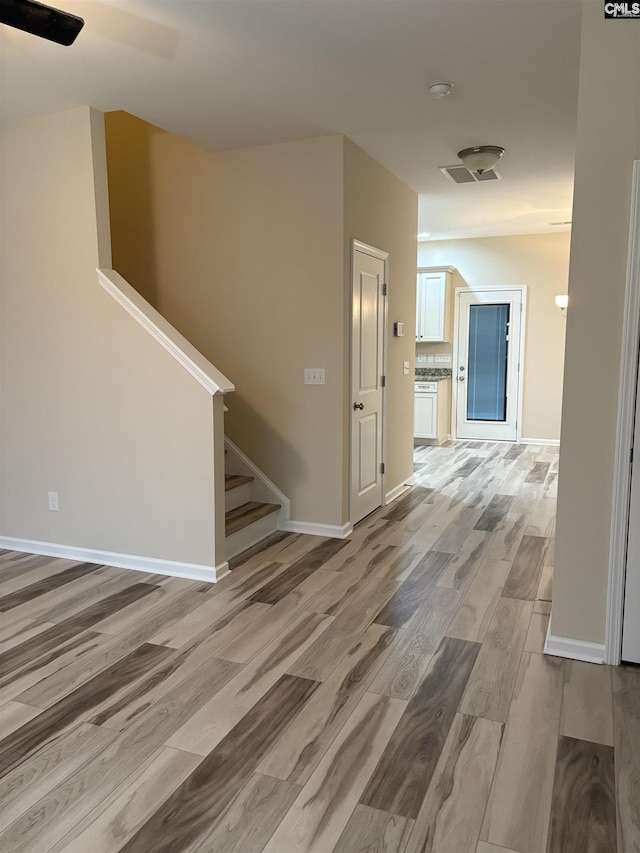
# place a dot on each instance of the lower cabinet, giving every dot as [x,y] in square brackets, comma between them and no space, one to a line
[432,411]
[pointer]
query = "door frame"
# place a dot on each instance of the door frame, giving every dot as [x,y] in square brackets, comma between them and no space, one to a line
[455,349]
[624,435]
[359,246]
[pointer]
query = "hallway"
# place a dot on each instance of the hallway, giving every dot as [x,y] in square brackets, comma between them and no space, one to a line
[382,693]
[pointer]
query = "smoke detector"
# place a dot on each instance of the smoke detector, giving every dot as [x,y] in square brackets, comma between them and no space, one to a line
[440,88]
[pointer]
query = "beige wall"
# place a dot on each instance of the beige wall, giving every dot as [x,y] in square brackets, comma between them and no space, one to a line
[540,261]
[382,211]
[92,407]
[246,249]
[608,121]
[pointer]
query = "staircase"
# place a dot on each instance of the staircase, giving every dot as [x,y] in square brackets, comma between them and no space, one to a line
[251,514]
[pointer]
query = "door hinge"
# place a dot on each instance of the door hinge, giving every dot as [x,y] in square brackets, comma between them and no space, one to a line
[631,457]
[384,289]
[382,467]
[383,381]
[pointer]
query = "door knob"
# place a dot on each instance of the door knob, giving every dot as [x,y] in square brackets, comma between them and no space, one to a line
[358,406]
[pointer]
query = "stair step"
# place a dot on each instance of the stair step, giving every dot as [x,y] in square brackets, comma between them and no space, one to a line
[232,481]
[246,514]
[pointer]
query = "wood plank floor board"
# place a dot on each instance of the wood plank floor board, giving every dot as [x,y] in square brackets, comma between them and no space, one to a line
[47,582]
[202,797]
[494,515]
[491,683]
[583,813]
[295,756]
[517,814]
[475,613]
[316,820]
[321,658]
[34,733]
[207,727]
[13,715]
[87,786]
[404,772]
[32,780]
[100,775]
[403,670]
[370,830]
[251,817]
[450,817]
[414,591]
[626,711]
[113,822]
[587,702]
[526,570]
[275,590]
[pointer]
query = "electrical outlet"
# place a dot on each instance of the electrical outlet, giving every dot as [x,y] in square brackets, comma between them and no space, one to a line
[422,359]
[53,501]
[429,358]
[314,376]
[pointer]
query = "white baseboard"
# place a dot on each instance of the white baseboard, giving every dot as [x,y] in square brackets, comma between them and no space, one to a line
[332,531]
[565,647]
[551,442]
[153,565]
[399,490]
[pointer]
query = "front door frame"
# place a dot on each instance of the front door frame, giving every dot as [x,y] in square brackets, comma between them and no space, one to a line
[456,342]
[358,246]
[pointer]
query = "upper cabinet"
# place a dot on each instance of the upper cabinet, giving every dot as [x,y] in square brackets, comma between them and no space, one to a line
[433,316]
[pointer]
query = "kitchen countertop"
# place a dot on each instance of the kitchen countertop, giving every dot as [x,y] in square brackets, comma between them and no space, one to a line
[433,374]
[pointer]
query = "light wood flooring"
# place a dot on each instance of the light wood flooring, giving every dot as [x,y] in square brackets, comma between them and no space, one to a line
[381,694]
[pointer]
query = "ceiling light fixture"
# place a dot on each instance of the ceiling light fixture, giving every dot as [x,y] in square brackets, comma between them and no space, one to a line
[440,88]
[480,158]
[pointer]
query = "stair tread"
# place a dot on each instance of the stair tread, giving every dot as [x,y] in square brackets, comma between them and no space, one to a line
[232,481]
[246,514]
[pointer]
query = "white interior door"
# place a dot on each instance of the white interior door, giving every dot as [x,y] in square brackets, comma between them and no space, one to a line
[367,369]
[631,618]
[487,372]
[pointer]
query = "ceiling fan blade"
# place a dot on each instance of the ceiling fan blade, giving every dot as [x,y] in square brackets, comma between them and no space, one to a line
[40,20]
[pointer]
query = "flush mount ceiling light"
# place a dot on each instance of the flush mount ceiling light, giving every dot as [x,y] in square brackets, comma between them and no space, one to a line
[440,88]
[40,20]
[480,158]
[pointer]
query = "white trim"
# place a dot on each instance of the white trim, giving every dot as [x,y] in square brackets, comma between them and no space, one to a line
[624,437]
[164,333]
[273,493]
[550,442]
[399,490]
[359,246]
[565,647]
[449,269]
[333,531]
[153,565]
[523,328]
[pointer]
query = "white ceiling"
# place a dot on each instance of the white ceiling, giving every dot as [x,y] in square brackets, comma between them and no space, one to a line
[230,73]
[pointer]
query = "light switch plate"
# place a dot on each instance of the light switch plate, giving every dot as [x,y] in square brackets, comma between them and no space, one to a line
[405,368]
[444,358]
[314,376]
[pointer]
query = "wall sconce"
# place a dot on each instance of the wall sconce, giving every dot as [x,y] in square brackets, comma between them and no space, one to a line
[562,302]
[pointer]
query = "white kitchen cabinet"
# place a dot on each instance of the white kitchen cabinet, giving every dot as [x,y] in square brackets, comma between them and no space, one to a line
[433,306]
[432,411]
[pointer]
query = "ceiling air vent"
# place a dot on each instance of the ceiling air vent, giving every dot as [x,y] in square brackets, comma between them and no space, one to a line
[459,174]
